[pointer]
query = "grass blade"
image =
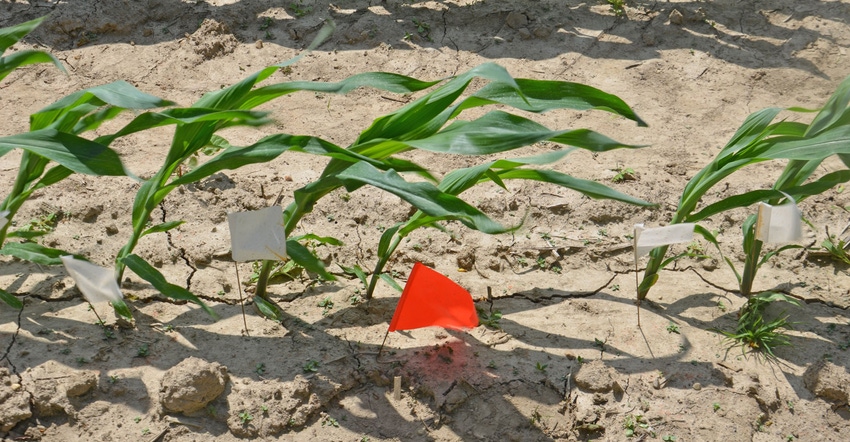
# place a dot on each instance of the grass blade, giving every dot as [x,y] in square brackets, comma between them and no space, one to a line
[11,300]
[78,154]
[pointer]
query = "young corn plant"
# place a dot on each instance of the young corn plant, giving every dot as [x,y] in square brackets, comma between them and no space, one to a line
[759,139]
[53,148]
[430,123]
[196,128]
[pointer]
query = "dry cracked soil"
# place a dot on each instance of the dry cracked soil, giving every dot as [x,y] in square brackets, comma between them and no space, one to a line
[565,361]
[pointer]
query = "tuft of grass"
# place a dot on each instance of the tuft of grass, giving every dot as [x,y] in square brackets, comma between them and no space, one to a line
[754,333]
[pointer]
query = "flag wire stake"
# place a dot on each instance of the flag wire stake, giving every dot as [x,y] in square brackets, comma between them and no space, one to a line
[241,302]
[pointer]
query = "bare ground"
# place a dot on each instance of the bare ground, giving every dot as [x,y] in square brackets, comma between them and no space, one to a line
[568,361]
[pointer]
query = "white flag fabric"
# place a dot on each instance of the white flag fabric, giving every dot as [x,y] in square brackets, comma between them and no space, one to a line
[257,234]
[648,239]
[3,220]
[95,282]
[778,224]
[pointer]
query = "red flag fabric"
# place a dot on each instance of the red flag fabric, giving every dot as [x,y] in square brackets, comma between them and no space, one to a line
[430,299]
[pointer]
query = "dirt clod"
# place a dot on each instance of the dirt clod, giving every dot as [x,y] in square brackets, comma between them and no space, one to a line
[190,385]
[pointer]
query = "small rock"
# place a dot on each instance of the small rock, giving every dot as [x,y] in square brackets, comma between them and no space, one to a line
[676,17]
[258,44]
[516,20]
[466,259]
[524,33]
[697,386]
[542,32]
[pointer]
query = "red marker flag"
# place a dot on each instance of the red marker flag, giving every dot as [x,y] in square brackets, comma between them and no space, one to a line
[430,299]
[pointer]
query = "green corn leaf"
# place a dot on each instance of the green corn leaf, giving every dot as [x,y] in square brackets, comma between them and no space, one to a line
[355,270]
[544,95]
[499,131]
[391,281]
[773,253]
[395,83]
[329,240]
[827,143]
[799,193]
[155,278]
[386,240]
[834,110]
[22,58]
[268,309]
[11,300]
[119,94]
[186,116]
[122,310]
[424,196]
[36,253]
[13,34]
[589,188]
[306,259]
[648,282]
[77,154]
[164,227]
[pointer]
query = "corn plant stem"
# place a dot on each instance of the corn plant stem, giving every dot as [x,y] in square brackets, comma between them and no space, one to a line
[140,223]
[12,203]
[750,268]
[379,267]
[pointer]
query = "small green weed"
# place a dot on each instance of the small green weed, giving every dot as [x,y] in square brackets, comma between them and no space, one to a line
[673,328]
[490,319]
[618,7]
[541,367]
[757,335]
[327,304]
[624,174]
[143,351]
[715,406]
[260,369]
[311,366]
[423,29]
[245,417]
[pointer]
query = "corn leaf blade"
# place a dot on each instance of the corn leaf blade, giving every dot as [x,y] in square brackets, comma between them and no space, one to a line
[145,271]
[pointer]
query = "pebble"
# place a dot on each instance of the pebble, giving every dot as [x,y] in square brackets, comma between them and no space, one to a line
[259,44]
[697,386]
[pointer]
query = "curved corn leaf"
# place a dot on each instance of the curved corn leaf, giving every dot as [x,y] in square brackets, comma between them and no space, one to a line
[118,94]
[22,58]
[329,240]
[75,153]
[186,116]
[13,34]
[499,131]
[592,189]
[544,95]
[36,253]
[303,257]
[833,111]
[424,196]
[145,271]
[11,300]
[164,227]
[827,143]
[799,193]
[391,281]
[268,309]
[389,82]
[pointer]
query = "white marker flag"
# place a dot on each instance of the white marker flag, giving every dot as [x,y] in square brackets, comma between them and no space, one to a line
[779,223]
[258,234]
[648,239]
[3,220]
[95,282]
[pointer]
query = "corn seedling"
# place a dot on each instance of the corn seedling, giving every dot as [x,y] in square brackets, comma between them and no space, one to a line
[53,137]
[756,141]
[429,123]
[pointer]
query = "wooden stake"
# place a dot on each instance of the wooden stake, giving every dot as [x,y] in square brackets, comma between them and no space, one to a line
[397,388]
[382,344]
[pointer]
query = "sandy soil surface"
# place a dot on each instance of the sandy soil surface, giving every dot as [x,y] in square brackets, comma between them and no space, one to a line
[567,360]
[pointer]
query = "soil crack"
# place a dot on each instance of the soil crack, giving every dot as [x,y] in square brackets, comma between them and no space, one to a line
[181,250]
[12,343]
